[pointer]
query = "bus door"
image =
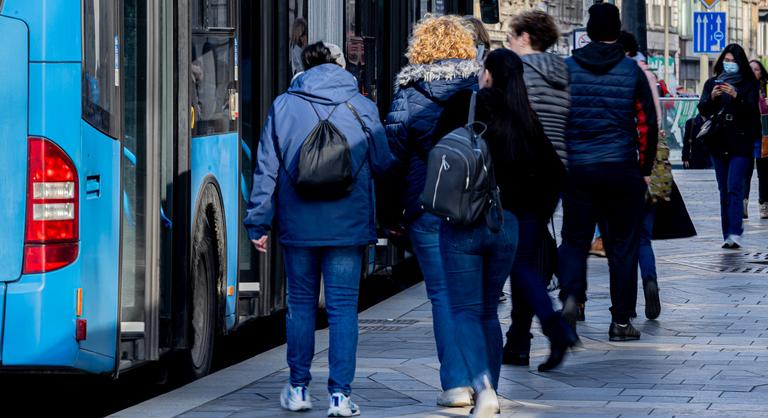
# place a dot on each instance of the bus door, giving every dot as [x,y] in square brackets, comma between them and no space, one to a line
[13,137]
[146,166]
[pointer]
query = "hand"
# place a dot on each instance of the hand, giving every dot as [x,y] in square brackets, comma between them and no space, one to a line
[728,89]
[686,164]
[260,244]
[716,92]
[647,179]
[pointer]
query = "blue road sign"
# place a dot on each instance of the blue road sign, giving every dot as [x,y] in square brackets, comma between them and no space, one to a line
[709,32]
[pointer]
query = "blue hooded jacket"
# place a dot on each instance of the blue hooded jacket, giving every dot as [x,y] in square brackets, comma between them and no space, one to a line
[349,221]
[421,92]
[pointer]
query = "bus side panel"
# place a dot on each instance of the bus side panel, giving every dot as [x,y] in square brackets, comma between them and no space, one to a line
[41,308]
[218,156]
[100,240]
[54,27]
[40,320]
[14,72]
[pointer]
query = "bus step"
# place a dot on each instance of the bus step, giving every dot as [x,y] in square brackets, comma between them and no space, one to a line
[249,287]
[131,330]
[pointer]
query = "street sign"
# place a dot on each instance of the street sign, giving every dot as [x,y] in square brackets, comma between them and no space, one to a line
[709,32]
[709,4]
[580,38]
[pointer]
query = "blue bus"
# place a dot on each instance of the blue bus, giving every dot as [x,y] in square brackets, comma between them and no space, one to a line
[128,129]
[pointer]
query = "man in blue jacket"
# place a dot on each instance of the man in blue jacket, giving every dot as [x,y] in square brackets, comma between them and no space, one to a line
[611,140]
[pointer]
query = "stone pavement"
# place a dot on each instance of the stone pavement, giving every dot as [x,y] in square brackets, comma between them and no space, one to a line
[707,354]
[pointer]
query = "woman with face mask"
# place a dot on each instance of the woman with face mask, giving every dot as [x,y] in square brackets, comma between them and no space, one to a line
[731,98]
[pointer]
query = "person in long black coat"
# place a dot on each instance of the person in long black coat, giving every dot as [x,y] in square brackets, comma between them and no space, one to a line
[695,154]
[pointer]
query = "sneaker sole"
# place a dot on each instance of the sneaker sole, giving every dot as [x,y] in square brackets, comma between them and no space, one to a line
[339,414]
[652,302]
[621,339]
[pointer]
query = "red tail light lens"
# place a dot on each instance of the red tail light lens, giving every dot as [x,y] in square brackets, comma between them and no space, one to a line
[52,208]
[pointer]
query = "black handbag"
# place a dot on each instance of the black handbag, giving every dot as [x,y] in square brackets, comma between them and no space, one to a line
[711,128]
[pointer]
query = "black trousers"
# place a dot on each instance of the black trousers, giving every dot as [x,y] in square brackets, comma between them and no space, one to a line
[612,194]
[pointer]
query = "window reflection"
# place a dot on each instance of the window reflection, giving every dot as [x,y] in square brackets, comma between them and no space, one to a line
[298,35]
[213,85]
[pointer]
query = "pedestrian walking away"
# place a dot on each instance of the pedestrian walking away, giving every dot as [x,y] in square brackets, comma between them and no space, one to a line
[611,146]
[478,258]
[539,179]
[334,247]
[730,102]
[761,146]
[441,55]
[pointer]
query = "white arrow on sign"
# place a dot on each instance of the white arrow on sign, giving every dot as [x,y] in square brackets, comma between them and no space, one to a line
[700,41]
[705,36]
[719,34]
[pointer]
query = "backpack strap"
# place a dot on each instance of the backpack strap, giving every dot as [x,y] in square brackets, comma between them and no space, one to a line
[368,136]
[318,114]
[472,103]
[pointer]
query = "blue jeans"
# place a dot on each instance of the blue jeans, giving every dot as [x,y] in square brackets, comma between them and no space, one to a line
[646,258]
[477,263]
[731,173]
[340,268]
[425,237]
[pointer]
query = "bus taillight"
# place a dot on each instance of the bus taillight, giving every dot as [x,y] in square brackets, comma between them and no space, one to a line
[52,208]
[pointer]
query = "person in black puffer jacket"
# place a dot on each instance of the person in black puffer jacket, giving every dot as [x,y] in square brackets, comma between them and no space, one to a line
[611,137]
[546,75]
[442,55]
[734,91]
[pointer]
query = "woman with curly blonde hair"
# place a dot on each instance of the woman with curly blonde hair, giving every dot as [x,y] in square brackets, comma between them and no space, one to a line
[441,55]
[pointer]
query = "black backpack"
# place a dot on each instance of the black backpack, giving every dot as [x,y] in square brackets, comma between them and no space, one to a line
[324,170]
[460,186]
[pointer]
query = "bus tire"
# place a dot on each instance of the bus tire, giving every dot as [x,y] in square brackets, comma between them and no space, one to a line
[203,297]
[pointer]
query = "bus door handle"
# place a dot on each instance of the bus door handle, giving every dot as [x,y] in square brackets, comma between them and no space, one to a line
[93,186]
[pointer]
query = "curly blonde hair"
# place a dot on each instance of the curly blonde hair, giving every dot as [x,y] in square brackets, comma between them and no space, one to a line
[437,38]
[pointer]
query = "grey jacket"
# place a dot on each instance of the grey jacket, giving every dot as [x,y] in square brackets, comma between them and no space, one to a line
[546,77]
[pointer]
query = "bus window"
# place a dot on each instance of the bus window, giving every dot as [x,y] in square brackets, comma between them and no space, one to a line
[101,67]
[212,79]
[213,89]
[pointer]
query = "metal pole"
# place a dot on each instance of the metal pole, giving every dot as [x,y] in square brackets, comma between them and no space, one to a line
[666,42]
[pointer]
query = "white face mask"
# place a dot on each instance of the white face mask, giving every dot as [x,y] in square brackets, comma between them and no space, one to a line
[730,67]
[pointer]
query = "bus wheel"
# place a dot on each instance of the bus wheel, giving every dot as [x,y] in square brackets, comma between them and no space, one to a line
[205,271]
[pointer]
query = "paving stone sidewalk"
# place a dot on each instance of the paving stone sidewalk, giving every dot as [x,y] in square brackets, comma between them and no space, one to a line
[707,354]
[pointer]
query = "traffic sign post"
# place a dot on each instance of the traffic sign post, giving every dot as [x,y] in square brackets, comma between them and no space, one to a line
[709,29]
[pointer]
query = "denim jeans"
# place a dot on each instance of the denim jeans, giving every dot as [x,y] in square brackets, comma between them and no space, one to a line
[425,237]
[340,268]
[529,292]
[612,194]
[731,172]
[646,258]
[477,263]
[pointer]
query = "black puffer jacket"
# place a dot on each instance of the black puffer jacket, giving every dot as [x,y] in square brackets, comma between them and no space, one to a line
[546,77]
[743,129]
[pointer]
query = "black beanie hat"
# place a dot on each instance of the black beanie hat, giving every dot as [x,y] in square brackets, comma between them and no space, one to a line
[604,23]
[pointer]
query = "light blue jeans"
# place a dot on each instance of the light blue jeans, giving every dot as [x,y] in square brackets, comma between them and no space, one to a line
[425,237]
[340,268]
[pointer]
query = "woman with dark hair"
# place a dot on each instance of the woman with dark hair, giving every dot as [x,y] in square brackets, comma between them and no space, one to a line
[761,162]
[731,98]
[477,261]
[334,247]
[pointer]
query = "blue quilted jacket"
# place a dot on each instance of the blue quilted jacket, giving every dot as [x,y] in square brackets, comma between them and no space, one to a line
[613,118]
[421,92]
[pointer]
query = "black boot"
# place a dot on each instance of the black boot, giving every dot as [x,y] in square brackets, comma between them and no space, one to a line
[517,350]
[652,302]
[561,337]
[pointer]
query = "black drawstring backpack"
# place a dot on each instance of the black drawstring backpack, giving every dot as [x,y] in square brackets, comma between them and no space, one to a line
[324,170]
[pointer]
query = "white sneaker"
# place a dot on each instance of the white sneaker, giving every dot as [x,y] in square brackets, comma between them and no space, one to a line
[736,240]
[342,406]
[455,398]
[295,398]
[486,403]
